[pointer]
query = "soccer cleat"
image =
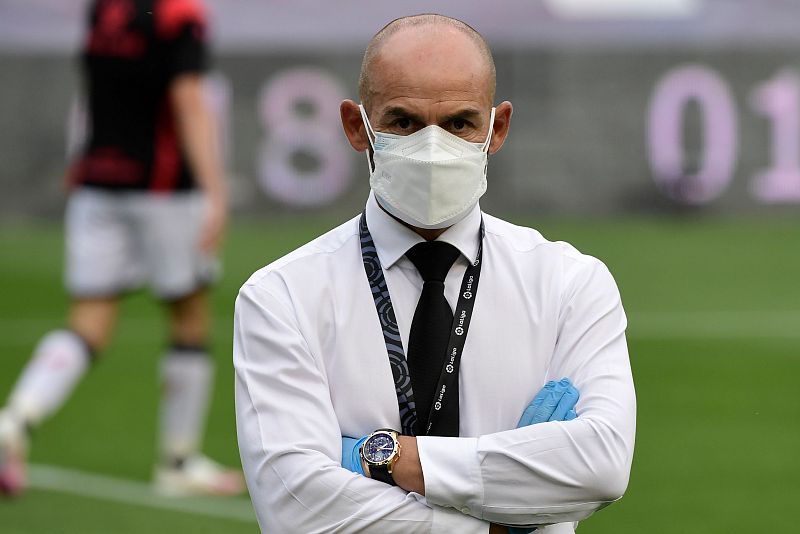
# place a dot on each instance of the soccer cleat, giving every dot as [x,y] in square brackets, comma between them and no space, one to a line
[198,475]
[13,451]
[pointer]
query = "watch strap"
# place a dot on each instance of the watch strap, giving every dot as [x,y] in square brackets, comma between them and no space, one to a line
[382,474]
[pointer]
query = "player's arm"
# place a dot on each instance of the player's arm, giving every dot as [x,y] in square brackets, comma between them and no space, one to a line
[551,472]
[181,26]
[197,130]
[290,440]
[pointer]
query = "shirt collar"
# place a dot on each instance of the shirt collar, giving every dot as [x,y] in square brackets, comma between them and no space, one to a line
[392,239]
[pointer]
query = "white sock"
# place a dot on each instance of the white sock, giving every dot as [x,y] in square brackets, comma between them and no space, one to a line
[187,379]
[58,363]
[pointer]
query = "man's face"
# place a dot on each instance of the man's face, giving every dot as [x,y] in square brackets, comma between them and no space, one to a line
[430,76]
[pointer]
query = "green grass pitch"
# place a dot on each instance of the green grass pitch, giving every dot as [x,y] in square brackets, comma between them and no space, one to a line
[714,311]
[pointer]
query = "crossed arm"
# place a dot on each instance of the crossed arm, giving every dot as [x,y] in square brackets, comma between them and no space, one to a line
[555,402]
[546,473]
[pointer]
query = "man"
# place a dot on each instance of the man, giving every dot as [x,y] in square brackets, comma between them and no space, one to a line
[135,216]
[406,343]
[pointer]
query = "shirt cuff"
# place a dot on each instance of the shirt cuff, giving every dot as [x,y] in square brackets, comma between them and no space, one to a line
[452,473]
[448,520]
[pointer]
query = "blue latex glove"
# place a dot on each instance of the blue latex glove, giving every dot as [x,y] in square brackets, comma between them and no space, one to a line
[555,402]
[351,457]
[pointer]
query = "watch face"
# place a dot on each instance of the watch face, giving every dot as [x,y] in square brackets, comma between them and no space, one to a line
[378,448]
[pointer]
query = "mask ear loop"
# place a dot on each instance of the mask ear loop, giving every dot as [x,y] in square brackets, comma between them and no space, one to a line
[370,135]
[491,131]
[370,132]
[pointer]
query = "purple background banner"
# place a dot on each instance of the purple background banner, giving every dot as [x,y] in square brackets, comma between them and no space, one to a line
[277,26]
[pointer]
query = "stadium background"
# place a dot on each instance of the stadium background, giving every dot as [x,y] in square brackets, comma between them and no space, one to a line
[662,137]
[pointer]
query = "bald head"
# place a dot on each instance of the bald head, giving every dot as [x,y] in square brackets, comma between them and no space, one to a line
[427,70]
[430,26]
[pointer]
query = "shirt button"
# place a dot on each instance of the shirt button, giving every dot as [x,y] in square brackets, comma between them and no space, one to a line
[464,510]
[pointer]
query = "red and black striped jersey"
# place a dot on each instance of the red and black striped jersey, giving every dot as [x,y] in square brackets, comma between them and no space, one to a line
[133,50]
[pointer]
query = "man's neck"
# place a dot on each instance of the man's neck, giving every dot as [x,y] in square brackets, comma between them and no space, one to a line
[429,234]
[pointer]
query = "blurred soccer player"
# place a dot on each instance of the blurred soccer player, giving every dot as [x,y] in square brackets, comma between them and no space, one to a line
[135,216]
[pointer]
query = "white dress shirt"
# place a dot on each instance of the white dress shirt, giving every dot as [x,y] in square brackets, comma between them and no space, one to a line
[311,366]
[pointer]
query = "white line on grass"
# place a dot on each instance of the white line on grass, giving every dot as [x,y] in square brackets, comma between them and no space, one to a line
[708,324]
[715,324]
[52,478]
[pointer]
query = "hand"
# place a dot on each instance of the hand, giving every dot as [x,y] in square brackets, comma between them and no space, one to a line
[555,402]
[351,455]
[214,220]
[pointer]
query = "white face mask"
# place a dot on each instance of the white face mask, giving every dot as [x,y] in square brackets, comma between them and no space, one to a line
[429,179]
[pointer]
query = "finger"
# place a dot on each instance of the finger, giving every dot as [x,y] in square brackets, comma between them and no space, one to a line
[347,449]
[212,230]
[564,384]
[351,455]
[566,403]
[358,467]
[209,245]
[527,415]
[206,239]
[572,414]
[210,241]
[544,412]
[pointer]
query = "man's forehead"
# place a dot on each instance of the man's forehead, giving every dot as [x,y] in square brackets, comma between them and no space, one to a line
[429,61]
[431,45]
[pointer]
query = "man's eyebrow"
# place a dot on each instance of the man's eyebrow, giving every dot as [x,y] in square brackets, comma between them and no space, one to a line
[401,112]
[467,113]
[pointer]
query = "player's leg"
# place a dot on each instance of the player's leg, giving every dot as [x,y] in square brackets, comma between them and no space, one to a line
[94,320]
[180,274]
[58,363]
[187,374]
[96,244]
[60,360]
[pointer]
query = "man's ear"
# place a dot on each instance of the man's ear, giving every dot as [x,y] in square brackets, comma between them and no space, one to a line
[353,125]
[502,122]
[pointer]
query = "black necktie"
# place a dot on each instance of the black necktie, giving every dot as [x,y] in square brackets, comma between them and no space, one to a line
[430,332]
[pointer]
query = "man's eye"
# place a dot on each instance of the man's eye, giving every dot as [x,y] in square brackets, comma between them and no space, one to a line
[459,124]
[403,123]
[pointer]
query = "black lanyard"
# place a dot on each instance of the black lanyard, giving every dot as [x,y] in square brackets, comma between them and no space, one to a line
[394,344]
